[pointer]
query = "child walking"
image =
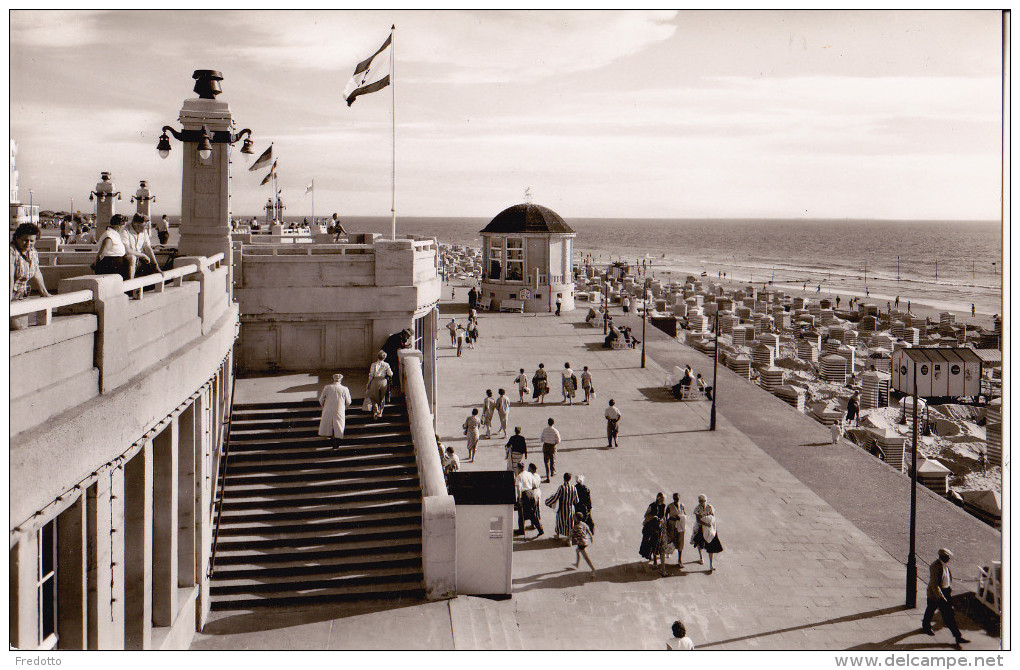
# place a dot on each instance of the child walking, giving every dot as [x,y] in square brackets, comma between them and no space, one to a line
[581,536]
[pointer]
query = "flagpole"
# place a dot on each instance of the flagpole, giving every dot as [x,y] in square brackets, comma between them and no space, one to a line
[393,108]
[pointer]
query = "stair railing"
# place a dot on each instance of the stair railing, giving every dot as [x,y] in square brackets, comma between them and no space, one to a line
[221,468]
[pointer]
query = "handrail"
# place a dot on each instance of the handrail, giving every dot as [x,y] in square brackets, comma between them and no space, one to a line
[160,280]
[423,434]
[48,304]
[222,478]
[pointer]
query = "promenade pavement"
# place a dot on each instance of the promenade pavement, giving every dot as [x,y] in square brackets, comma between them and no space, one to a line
[800,569]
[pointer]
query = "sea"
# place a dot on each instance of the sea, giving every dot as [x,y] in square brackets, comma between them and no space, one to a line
[948,265]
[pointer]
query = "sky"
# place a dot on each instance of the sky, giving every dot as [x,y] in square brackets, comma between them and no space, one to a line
[657,114]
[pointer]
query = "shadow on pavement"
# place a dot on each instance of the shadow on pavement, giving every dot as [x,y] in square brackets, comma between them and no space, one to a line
[842,619]
[658,394]
[272,618]
[625,573]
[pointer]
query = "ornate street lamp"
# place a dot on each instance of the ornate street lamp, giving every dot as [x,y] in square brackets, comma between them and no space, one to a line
[207,86]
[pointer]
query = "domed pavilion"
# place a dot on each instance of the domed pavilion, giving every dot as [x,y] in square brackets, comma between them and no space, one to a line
[526,260]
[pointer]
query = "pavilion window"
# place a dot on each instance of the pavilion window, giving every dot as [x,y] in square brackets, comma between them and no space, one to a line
[514,259]
[495,257]
[46,585]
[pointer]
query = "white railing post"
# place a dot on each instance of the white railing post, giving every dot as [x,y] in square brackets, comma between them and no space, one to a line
[111,305]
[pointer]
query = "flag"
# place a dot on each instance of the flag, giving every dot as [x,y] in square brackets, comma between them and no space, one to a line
[371,74]
[269,176]
[310,187]
[262,160]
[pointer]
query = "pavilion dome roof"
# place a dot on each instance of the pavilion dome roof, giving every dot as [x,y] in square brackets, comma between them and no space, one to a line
[527,218]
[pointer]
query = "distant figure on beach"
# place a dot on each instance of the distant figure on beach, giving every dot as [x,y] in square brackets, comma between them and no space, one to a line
[563,500]
[569,384]
[819,289]
[540,382]
[516,450]
[522,384]
[335,398]
[550,441]
[503,410]
[472,428]
[837,302]
[680,641]
[488,410]
[908,307]
[613,417]
[586,385]
[973,311]
[897,303]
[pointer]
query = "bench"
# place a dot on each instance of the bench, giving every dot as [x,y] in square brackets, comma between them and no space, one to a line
[485,303]
[512,306]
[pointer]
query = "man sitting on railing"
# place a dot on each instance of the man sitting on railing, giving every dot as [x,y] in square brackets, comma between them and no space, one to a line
[138,246]
[25,272]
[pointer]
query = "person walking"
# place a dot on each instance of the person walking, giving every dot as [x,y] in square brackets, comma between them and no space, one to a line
[564,500]
[472,428]
[852,410]
[653,534]
[460,339]
[581,537]
[586,385]
[334,399]
[452,327]
[550,440]
[706,535]
[518,471]
[531,498]
[559,304]
[680,641]
[488,410]
[940,597]
[613,416]
[676,529]
[583,505]
[541,384]
[472,332]
[378,380]
[569,384]
[163,229]
[522,384]
[503,410]
[516,449]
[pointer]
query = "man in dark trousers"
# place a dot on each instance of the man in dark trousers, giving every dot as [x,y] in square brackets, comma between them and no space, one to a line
[395,343]
[940,596]
[472,297]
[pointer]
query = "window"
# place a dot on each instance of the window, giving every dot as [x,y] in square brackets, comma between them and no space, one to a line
[46,586]
[515,259]
[495,257]
[420,326]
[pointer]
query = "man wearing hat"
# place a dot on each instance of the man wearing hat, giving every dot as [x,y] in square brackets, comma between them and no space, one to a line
[335,399]
[940,590]
[394,343]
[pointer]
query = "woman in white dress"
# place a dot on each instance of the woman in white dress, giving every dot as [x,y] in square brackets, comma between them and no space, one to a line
[378,379]
[335,399]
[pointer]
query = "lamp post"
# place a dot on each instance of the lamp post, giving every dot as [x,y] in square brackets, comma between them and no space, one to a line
[207,134]
[605,305]
[31,206]
[644,319]
[104,195]
[143,198]
[911,556]
[715,374]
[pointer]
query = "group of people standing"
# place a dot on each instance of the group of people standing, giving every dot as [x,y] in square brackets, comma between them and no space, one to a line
[459,335]
[539,387]
[664,531]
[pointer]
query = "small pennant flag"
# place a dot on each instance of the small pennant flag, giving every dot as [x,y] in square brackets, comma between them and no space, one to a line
[269,176]
[371,74]
[310,187]
[262,160]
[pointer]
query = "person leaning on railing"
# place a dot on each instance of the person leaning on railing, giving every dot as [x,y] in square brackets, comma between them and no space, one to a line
[25,272]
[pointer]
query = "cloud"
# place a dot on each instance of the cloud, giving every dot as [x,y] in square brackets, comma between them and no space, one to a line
[55,29]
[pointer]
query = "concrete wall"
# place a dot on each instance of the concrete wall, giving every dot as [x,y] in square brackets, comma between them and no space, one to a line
[118,415]
[328,306]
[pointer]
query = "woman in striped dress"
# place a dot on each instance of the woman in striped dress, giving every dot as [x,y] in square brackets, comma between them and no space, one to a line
[488,410]
[564,499]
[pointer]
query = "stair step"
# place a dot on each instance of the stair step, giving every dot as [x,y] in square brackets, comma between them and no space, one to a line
[350,508]
[275,442]
[401,493]
[314,452]
[245,527]
[287,580]
[313,472]
[358,418]
[313,537]
[275,491]
[408,560]
[273,555]
[321,597]
[246,462]
[299,405]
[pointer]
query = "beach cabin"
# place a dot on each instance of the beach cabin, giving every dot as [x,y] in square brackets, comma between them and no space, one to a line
[833,368]
[740,336]
[934,475]
[985,505]
[740,364]
[993,432]
[526,252]
[939,372]
[874,390]
[763,355]
[771,378]
[807,351]
[791,395]
[893,446]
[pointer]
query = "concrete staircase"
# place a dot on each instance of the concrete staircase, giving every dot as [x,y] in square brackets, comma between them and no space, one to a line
[304,524]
